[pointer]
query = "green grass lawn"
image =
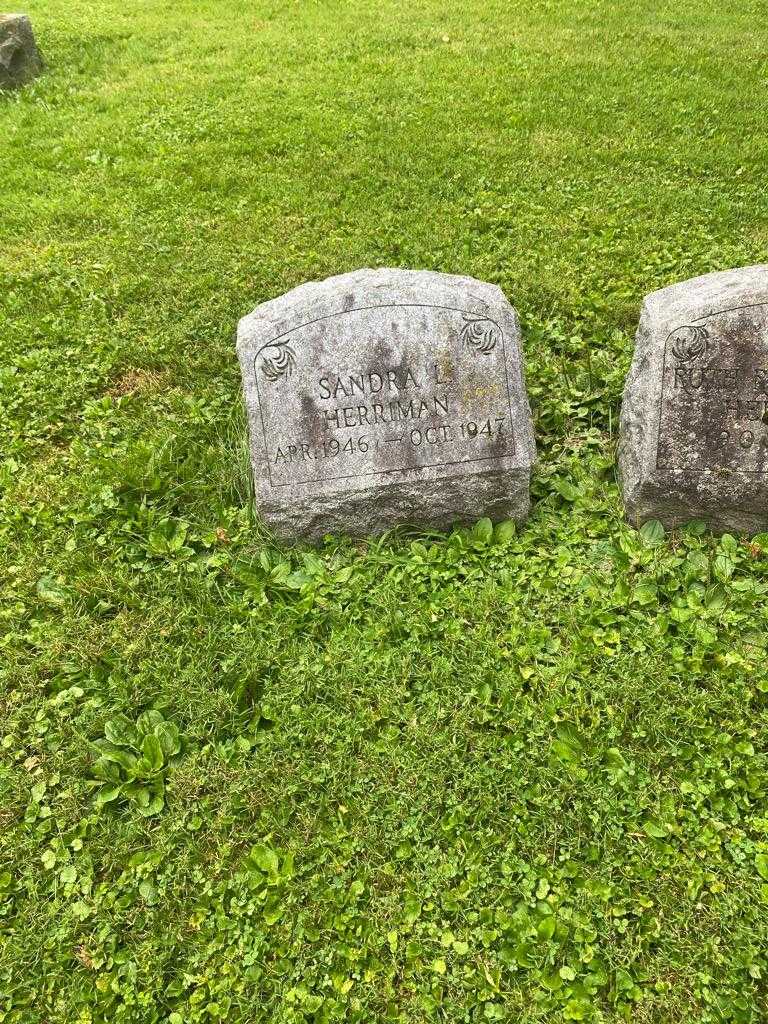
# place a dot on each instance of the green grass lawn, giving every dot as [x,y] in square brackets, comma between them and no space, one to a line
[474,777]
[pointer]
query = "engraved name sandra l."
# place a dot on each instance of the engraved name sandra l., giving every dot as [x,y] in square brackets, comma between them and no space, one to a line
[374,382]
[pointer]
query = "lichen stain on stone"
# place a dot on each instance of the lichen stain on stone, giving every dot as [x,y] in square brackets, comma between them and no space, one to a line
[474,392]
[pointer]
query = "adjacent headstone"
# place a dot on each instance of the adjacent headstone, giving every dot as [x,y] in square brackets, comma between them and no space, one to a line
[386,397]
[694,421]
[20,59]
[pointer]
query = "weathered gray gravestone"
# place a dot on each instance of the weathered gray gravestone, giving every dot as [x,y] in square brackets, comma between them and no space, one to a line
[20,59]
[386,397]
[694,420]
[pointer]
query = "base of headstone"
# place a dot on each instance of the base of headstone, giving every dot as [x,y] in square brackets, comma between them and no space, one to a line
[383,398]
[20,58]
[368,512]
[694,418]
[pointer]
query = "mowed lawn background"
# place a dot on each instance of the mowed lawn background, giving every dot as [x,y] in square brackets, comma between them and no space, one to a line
[470,777]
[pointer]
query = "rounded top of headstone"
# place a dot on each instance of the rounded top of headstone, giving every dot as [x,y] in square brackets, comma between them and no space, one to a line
[741,286]
[374,286]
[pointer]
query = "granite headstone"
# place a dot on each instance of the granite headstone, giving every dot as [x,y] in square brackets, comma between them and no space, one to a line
[20,58]
[386,397]
[694,420]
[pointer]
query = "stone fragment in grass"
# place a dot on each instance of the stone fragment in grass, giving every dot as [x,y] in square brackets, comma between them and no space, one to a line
[20,58]
[694,419]
[386,397]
